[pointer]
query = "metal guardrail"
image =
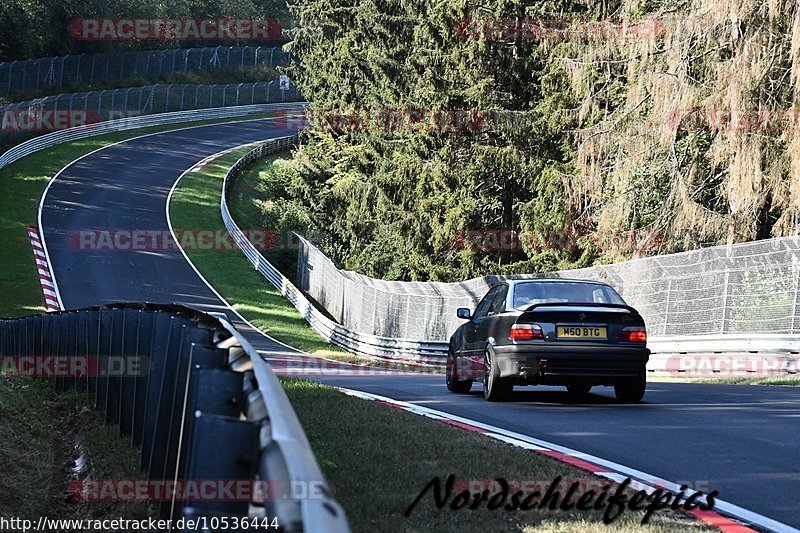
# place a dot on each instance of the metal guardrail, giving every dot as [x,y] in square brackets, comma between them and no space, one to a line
[760,343]
[81,132]
[204,406]
[76,109]
[359,343]
[435,352]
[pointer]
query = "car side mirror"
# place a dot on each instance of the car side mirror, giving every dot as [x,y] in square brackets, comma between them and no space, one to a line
[463,313]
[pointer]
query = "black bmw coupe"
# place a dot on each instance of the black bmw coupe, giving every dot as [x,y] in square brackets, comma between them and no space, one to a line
[550,331]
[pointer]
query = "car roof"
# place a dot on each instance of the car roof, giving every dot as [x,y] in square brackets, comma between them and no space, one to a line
[512,282]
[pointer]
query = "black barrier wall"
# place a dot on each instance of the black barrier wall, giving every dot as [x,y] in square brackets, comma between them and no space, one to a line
[182,389]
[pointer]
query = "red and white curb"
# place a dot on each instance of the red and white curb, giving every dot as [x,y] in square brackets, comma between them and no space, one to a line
[595,465]
[43,269]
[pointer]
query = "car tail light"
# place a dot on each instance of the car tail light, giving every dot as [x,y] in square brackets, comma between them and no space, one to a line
[633,334]
[525,332]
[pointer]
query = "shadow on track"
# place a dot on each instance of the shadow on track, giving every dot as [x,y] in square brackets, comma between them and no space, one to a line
[553,396]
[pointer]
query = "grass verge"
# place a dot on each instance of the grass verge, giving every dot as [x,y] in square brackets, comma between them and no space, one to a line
[43,434]
[377,459]
[195,203]
[23,184]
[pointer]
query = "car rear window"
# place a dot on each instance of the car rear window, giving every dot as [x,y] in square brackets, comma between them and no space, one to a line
[527,294]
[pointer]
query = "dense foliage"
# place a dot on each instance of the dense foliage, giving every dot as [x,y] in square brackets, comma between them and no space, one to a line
[396,201]
[600,138]
[590,146]
[39,28]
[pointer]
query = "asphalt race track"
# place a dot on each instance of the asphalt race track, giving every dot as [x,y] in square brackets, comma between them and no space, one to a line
[740,440]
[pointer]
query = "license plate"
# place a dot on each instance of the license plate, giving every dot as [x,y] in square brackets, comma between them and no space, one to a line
[582,332]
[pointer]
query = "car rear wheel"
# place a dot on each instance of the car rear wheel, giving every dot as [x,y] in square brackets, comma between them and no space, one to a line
[495,388]
[579,389]
[631,391]
[453,383]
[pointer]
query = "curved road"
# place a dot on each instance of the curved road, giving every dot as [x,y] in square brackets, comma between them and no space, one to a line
[740,440]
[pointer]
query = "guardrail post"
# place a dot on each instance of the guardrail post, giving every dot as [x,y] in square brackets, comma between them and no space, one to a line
[38,322]
[237,444]
[166,98]
[10,75]
[93,324]
[57,342]
[173,380]
[725,300]
[26,346]
[171,411]
[666,310]
[5,335]
[146,333]
[82,349]
[6,344]
[70,350]
[210,389]
[795,275]
[129,366]
[38,72]
[162,376]
[111,336]
[158,354]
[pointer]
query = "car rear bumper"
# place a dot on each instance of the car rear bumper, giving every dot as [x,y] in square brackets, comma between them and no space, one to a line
[565,364]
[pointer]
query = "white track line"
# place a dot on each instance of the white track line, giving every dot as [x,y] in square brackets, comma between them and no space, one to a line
[510,436]
[502,434]
[496,432]
[602,468]
[211,287]
[53,179]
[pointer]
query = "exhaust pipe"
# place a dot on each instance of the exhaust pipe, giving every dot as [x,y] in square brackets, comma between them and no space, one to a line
[535,375]
[530,375]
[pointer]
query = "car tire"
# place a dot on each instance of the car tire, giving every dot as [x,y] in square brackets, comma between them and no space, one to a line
[495,388]
[579,389]
[452,381]
[631,391]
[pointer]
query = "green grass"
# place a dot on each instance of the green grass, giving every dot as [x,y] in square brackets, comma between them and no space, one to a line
[42,434]
[195,204]
[23,184]
[377,459]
